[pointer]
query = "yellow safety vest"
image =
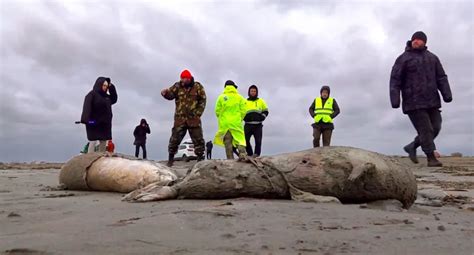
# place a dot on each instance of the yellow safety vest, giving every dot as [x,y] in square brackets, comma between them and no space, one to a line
[323,112]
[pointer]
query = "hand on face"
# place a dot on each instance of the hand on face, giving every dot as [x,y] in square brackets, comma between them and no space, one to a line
[105,86]
[164,92]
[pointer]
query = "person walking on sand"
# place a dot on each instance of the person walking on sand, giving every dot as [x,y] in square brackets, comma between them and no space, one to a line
[323,110]
[209,146]
[97,113]
[140,133]
[190,101]
[418,75]
[257,112]
[230,111]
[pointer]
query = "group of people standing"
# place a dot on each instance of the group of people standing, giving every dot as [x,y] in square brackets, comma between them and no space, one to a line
[417,74]
[231,110]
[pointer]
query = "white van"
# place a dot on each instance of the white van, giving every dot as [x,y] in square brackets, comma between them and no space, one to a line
[186,151]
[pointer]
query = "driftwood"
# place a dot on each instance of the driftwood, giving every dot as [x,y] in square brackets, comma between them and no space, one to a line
[344,174]
[112,172]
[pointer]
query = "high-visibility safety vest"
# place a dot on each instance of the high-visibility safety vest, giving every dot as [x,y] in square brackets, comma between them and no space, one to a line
[323,112]
[257,106]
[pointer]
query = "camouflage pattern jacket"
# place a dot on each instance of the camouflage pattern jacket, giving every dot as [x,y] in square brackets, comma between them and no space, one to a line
[190,103]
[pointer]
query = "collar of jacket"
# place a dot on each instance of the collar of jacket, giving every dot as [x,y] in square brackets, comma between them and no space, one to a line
[230,90]
[252,98]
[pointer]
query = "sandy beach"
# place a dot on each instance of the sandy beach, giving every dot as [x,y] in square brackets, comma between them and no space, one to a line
[37,219]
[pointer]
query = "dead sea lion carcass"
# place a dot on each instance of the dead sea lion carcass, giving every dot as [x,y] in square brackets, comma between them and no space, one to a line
[112,172]
[349,174]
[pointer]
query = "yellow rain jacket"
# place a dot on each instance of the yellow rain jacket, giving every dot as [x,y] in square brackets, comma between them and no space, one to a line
[230,112]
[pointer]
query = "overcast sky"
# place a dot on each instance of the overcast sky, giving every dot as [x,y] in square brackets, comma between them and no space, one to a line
[53,51]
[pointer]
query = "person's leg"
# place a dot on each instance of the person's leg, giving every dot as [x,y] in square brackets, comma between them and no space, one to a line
[422,122]
[177,135]
[228,145]
[144,151]
[235,150]
[436,120]
[103,146]
[91,147]
[316,136]
[137,150]
[327,133]
[198,140]
[258,133]
[248,135]
[242,152]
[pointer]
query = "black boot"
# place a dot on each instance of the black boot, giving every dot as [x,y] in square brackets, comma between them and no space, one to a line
[170,160]
[433,161]
[411,150]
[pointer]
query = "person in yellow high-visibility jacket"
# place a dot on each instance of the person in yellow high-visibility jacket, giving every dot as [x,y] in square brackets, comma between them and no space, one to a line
[257,112]
[230,112]
[323,110]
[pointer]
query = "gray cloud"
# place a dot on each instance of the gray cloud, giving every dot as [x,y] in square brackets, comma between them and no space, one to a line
[52,52]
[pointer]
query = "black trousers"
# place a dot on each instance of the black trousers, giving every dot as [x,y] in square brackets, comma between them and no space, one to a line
[255,130]
[137,150]
[427,123]
[209,154]
[325,132]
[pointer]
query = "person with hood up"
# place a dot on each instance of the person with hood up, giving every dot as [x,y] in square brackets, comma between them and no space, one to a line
[418,75]
[190,100]
[257,112]
[209,147]
[140,137]
[323,110]
[230,111]
[97,113]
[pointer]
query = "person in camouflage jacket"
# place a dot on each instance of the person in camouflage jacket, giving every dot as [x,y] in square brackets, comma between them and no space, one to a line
[190,100]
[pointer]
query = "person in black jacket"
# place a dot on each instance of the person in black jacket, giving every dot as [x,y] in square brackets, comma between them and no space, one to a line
[419,75]
[209,146]
[257,112]
[323,116]
[140,137]
[97,113]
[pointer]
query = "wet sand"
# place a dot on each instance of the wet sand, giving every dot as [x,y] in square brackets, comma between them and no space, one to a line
[37,219]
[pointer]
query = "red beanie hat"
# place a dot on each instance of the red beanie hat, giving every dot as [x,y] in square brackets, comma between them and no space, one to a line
[186,74]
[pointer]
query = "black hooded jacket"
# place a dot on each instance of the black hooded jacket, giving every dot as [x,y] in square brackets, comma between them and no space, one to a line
[255,116]
[140,132]
[335,107]
[98,109]
[418,75]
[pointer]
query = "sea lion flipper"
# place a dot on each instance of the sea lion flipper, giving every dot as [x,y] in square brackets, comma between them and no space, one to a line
[152,192]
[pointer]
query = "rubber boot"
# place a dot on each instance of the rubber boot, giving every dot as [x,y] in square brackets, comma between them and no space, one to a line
[242,153]
[411,150]
[432,160]
[170,160]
